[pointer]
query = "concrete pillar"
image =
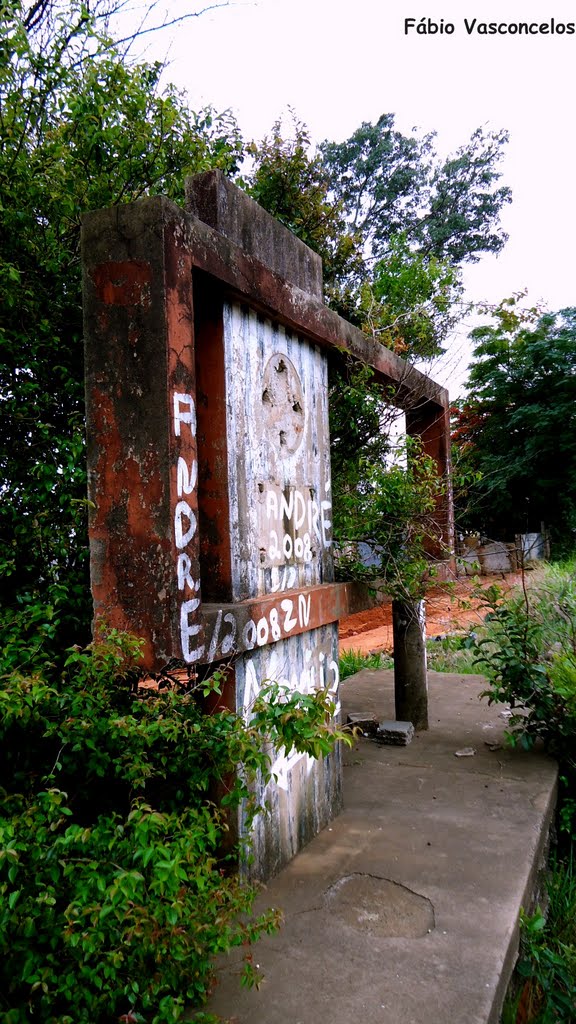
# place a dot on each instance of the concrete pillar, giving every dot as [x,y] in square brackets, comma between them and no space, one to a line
[410,668]
[431,423]
[141,428]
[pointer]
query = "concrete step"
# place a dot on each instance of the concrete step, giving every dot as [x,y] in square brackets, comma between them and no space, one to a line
[405,910]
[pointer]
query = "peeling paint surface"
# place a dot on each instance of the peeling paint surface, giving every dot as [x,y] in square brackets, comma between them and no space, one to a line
[281,494]
[281,537]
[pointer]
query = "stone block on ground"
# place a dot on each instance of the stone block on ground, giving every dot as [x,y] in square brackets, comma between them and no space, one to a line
[398,734]
[364,721]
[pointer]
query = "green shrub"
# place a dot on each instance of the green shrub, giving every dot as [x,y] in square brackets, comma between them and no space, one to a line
[527,650]
[453,653]
[546,968]
[115,893]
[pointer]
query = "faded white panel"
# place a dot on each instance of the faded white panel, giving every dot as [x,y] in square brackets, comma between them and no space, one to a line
[279,459]
[281,539]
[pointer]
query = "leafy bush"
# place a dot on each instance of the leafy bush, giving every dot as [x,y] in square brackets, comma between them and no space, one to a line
[528,652]
[392,509]
[82,127]
[546,969]
[115,892]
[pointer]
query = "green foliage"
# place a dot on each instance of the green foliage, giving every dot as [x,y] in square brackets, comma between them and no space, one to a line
[419,220]
[293,185]
[528,652]
[380,177]
[392,510]
[351,662]
[115,895]
[514,434]
[418,297]
[391,184]
[385,494]
[359,413]
[462,220]
[547,963]
[392,222]
[80,128]
[297,721]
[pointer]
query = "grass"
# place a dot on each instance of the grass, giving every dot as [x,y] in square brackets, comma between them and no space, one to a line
[351,662]
[453,653]
[449,654]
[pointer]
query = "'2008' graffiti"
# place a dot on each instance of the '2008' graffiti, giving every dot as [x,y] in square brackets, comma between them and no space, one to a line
[185,528]
[293,523]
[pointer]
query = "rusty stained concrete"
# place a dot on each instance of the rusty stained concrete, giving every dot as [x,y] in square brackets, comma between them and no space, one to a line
[240,626]
[305,793]
[214,200]
[138,319]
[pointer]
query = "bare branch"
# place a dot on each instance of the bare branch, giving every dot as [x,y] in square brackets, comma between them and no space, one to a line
[142,31]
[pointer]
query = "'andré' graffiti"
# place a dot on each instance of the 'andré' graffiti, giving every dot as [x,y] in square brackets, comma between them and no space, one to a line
[185,527]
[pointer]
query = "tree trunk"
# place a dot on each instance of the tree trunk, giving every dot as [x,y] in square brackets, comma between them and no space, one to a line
[410,671]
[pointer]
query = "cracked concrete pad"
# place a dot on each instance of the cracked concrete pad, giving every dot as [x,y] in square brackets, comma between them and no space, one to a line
[380,906]
[468,833]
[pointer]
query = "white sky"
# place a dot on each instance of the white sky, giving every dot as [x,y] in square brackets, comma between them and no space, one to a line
[338,64]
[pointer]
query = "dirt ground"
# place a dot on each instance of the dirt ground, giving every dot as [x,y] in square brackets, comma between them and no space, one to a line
[448,610]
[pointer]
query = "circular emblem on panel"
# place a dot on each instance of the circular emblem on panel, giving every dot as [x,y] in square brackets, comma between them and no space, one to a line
[283,404]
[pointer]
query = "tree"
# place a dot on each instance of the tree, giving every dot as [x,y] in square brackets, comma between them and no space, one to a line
[393,223]
[419,220]
[80,128]
[418,299]
[380,176]
[517,427]
[390,184]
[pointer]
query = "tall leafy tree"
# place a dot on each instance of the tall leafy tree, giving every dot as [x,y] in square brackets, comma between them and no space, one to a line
[393,222]
[516,430]
[81,127]
[419,220]
[391,184]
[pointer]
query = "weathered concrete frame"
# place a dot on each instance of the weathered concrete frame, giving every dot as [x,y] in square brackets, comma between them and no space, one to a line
[146,267]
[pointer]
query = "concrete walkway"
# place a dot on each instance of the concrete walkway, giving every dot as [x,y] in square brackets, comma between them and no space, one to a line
[405,910]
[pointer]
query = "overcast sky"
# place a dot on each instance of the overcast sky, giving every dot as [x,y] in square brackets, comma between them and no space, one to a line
[338,64]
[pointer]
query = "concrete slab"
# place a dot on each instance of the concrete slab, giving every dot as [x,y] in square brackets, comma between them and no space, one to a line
[405,909]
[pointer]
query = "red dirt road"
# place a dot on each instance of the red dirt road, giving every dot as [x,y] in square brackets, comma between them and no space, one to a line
[448,610]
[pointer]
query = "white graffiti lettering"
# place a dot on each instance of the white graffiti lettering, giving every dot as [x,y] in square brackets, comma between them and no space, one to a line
[183,568]
[276,624]
[181,536]
[185,527]
[188,630]
[182,416]
[186,479]
[287,581]
[293,521]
